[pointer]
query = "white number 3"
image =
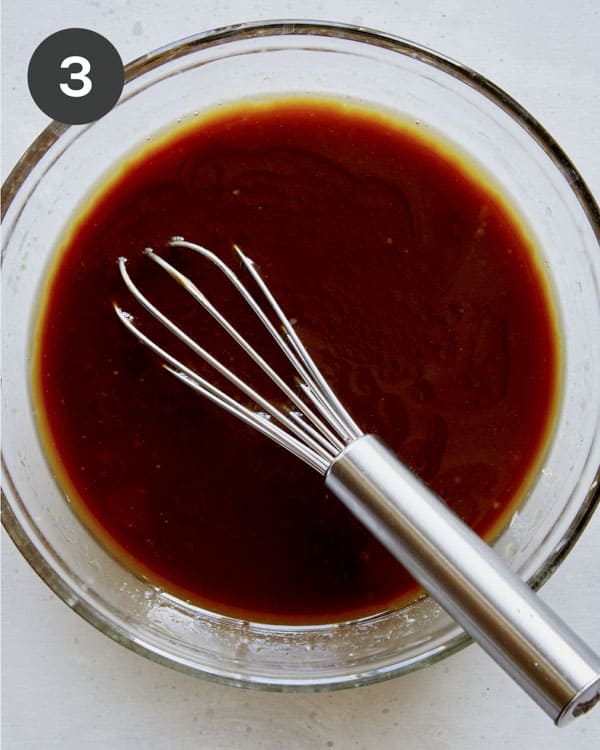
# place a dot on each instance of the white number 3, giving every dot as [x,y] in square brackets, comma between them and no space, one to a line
[78,75]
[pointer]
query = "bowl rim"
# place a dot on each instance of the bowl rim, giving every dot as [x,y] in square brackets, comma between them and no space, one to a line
[290,28]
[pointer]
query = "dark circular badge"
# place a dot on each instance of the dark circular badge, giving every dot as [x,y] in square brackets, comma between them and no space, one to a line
[75,76]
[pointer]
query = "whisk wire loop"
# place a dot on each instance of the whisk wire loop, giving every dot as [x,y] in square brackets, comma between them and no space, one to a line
[307,371]
[329,397]
[316,435]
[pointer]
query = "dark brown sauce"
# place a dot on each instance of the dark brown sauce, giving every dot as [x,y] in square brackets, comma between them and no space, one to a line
[413,287]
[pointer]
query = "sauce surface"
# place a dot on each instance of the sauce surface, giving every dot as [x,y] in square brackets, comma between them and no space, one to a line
[408,280]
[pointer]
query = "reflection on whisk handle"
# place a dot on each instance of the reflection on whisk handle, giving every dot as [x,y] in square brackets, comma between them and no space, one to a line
[470,581]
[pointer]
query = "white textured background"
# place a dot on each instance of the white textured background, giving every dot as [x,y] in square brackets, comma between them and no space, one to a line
[64,685]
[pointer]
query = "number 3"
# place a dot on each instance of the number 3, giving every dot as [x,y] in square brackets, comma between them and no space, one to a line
[79,75]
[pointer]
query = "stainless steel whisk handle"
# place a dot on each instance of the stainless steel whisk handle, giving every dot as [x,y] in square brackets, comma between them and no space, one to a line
[468,579]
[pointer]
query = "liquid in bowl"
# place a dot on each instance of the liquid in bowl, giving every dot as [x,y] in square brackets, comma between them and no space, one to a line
[412,282]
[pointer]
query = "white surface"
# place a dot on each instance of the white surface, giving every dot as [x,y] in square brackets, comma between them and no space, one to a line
[67,686]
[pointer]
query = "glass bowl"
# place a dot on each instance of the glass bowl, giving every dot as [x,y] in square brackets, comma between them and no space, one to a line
[204,72]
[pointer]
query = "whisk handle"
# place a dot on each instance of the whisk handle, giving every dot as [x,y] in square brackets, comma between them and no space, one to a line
[468,579]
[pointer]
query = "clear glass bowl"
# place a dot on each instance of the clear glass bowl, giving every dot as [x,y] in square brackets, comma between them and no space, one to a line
[204,72]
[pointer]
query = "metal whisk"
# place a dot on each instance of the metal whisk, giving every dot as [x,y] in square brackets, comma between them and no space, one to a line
[470,581]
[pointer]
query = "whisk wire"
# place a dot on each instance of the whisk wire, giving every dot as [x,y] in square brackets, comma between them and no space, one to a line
[301,431]
[305,367]
[353,431]
[316,435]
[323,428]
[325,437]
